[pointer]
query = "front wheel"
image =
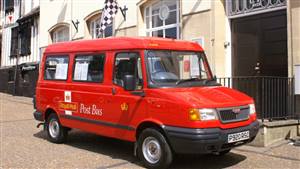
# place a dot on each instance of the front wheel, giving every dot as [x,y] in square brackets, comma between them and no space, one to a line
[55,131]
[153,149]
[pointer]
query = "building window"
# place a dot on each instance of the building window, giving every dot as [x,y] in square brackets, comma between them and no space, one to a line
[9,5]
[245,7]
[25,39]
[14,41]
[94,29]
[60,34]
[162,19]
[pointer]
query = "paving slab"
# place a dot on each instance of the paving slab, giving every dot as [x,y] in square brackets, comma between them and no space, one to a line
[22,145]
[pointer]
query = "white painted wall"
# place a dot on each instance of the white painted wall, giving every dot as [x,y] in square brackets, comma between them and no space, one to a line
[131,14]
[6,35]
[58,11]
[192,6]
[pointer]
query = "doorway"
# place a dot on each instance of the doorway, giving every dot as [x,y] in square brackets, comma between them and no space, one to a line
[260,62]
[260,45]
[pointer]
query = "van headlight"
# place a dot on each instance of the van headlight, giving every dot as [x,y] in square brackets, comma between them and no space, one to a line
[203,114]
[252,109]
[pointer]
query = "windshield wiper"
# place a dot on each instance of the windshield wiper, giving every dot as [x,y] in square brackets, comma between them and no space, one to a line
[188,80]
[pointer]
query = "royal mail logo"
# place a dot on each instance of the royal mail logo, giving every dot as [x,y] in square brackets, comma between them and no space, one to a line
[68,106]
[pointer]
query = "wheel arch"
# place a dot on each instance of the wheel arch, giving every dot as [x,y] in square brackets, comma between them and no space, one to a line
[150,124]
[49,111]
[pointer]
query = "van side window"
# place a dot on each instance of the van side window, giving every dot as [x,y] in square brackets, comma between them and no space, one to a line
[89,68]
[56,68]
[128,64]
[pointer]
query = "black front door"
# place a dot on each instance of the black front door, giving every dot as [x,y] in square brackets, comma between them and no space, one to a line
[260,45]
[260,61]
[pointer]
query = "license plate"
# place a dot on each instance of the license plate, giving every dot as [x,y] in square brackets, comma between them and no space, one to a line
[238,136]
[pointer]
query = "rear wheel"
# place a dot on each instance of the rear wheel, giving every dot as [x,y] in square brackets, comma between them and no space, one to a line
[153,149]
[55,131]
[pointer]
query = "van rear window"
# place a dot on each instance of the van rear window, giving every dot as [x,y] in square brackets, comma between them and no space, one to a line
[56,68]
[89,68]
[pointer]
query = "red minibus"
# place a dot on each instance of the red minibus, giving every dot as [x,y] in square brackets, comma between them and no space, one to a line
[158,93]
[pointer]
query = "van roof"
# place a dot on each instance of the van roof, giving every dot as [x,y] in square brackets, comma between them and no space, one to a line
[122,43]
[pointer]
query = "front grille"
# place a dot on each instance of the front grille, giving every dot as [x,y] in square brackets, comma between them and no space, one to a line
[228,115]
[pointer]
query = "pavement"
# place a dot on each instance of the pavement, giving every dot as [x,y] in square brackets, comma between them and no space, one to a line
[22,145]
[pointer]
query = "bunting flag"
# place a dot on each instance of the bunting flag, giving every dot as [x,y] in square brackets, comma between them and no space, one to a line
[109,12]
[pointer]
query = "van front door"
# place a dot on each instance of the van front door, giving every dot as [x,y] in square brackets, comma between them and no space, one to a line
[126,106]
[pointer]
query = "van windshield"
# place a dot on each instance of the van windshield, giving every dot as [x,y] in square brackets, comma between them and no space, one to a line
[176,68]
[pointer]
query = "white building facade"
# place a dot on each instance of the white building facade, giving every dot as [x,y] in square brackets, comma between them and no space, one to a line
[240,38]
[20,46]
[245,38]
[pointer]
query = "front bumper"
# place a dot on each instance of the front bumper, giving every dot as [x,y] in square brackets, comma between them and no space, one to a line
[38,116]
[203,141]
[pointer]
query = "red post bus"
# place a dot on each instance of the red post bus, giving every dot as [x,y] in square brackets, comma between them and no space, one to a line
[158,93]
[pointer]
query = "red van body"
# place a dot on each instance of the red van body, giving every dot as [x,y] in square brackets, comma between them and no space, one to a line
[176,111]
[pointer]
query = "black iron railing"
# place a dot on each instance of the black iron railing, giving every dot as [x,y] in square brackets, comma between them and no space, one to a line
[274,96]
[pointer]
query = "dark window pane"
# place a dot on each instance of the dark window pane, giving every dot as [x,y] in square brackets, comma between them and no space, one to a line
[147,22]
[56,68]
[274,1]
[25,39]
[14,41]
[158,33]
[155,8]
[128,64]
[147,11]
[233,7]
[241,5]
[171,33]
[89,68]
[172,18]
[171,4]
[108,31]
[9,5]
[156,21]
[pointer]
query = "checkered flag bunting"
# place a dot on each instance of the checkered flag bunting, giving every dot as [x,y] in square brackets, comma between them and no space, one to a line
[109,11]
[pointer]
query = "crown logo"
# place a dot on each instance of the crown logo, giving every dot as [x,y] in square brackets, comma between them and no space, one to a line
[124,106]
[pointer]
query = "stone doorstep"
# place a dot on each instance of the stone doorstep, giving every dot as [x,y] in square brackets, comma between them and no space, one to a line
[273,132]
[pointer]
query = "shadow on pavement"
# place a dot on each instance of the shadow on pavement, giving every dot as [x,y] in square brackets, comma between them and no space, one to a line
[118,149]
[208,161]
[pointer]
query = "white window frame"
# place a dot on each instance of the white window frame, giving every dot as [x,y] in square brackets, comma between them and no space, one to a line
[55,34]
[92,27]
[164,27]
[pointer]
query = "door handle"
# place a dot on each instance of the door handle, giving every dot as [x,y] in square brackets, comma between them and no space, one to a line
[113,91]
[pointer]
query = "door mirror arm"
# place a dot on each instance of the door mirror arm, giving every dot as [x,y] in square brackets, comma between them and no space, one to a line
[138,93]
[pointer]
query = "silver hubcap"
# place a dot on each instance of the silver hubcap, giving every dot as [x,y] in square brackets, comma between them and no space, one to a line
[53,128]
[151,150]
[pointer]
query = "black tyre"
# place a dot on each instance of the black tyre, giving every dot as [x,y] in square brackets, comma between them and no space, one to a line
[153,149]
[55,131]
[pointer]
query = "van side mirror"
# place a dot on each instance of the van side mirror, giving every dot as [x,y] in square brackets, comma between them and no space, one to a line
[129,82]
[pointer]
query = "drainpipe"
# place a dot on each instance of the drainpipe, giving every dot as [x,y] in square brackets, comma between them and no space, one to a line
[212,37]
[18,53]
